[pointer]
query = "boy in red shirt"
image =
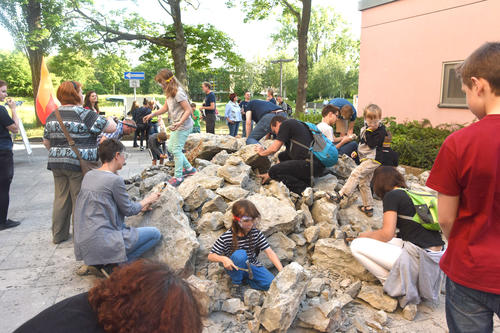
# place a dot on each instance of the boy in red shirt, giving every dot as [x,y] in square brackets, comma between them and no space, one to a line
[466,174]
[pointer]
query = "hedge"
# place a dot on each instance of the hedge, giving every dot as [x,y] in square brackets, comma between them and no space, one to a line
[417,143]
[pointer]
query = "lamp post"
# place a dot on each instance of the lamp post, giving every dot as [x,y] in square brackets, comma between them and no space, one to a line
[281,61]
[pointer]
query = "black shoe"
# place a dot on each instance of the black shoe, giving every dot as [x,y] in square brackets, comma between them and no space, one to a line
[9,224]
[106,270]
[136,145]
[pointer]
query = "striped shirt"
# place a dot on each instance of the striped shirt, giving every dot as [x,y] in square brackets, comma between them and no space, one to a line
[117,134]
[252,243]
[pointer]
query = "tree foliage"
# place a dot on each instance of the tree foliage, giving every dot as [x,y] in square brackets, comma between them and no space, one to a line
[15,70]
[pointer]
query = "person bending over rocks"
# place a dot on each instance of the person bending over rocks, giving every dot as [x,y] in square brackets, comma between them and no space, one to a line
[294,169]
[142,297]
[157,147]
[101,237]
[238,248]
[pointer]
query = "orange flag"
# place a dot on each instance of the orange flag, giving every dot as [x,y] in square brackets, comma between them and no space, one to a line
[46,102]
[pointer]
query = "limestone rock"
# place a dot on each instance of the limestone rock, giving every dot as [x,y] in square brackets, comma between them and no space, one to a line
[250,157]
[353,289]
[375,325]
[210,222]
[220,158]
[326,183]
[283,300]
[380,317]
[311,234]
[279,191]
[325,230]
[206,241]
[194,195]
[358,220]
[314,287]
[324,211]
[205,292]
[233,305]
[148,183]
[410,312]
[210,170]
[274,215]
[299,239]
[308,219]
[308,196]
[327,317]
[208,182]
[232,192]
[360,325]
[282,245]
[235,174]
[206,145]
[344,167]
[178,244]
[217,204]
[253,297]
[334,255]
[374,295]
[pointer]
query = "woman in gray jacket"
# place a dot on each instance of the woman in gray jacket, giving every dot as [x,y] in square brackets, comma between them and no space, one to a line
[101,236]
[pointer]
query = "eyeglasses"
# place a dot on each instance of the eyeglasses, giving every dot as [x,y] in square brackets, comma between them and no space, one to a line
[125,155]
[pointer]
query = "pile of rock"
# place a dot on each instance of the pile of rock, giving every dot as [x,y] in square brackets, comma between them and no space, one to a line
[316,290]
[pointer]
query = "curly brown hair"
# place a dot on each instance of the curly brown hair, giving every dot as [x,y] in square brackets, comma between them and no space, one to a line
[145,297]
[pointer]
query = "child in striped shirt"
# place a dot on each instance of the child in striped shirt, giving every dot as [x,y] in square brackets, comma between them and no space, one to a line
[242,243]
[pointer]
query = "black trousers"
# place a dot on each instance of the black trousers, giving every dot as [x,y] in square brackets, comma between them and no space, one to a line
[210,122]
[143,133]
[295,174]
[6,174]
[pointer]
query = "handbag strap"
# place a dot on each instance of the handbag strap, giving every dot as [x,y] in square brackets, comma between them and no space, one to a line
[70,140]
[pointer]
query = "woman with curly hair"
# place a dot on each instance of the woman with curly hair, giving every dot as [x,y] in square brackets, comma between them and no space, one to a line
[143,297]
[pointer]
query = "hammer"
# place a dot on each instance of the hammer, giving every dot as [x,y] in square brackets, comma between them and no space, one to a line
[248,270]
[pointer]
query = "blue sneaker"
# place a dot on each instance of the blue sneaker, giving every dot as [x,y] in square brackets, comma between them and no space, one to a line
[174,181]
[187,173]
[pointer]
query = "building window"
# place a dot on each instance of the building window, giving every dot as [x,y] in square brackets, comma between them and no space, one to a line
[452,95]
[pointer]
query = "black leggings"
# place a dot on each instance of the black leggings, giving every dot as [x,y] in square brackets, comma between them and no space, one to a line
[6,174]
[143,133]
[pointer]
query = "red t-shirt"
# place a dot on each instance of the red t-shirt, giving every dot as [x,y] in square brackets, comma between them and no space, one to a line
[468,165]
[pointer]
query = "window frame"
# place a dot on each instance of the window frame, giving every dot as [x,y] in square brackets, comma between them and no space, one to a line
[444,71]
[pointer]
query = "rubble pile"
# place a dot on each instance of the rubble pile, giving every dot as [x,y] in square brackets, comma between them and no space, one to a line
[322,288]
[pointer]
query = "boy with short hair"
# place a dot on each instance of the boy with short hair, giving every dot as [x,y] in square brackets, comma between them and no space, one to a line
[196,119]
[372,135]
[157,146]
[466,175]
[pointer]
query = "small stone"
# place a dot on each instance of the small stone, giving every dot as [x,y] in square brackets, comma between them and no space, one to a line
[311,234]
[220,158]
[375,325]
[253,297]
[217,204]
[410,311]
[380,317]
[308,196]
[325,230]
[353,289]
[375,296]
[360,325]
[314,287]
[232,193]
[308,219]
[299,239]
[345,283]
[233,306]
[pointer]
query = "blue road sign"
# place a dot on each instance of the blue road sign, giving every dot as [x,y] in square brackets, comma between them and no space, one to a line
[133,75]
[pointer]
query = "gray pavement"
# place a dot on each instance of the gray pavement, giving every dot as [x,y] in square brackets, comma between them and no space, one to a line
[35,273]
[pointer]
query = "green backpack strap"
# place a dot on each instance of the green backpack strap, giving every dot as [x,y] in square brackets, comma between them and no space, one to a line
[426,209]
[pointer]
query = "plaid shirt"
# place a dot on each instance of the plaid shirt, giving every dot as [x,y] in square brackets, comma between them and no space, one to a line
[118,134]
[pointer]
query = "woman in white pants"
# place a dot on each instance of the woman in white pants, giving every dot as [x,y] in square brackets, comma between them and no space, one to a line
[378,250]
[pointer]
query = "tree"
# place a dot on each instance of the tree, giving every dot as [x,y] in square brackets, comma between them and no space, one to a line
[300,12]
[15,70]
[34,25]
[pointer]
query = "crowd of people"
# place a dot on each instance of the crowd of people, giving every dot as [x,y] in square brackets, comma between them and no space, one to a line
[407,255]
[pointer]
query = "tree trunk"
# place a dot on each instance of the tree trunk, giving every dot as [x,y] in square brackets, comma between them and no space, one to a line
[180,47]
[302,30]
[33,13]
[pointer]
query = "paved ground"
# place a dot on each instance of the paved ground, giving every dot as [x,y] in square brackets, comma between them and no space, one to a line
[35,273]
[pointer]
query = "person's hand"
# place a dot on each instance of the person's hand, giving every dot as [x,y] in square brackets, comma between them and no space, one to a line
[228,264]
[163,156]
[152,198]
[147,118]
[175,126]
[12,104]
[260,150]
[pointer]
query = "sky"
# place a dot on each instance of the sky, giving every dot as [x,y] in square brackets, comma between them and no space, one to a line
[252,39]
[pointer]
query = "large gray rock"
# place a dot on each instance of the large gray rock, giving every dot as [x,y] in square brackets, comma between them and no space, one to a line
[206,181]
[335,255]
[275,216]
[252,158]
[220,158]
[194,195]
[148,183]
[358,220]
[205,292]
[178,244]
[324,211]
[232,192]
[217,204]
[311,234]
[210,222]
[326,317]
[283,299]
[283,247]
[235,172]
[206,145]
[326,183]
[344,167]
[375,296]
[206,241]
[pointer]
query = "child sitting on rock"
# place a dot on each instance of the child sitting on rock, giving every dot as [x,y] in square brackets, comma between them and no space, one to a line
[385,155]
[372,135]
[156,143]
[238,248]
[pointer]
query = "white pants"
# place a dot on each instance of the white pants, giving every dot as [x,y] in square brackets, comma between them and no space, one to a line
[376,256]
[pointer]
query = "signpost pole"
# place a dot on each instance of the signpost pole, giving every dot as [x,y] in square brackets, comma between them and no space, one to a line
[135,99]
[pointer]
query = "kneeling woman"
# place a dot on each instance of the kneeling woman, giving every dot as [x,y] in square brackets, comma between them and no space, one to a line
[241,243]
[378,251]
[101,236]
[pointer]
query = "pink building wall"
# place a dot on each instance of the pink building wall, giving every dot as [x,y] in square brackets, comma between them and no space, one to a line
[403,47]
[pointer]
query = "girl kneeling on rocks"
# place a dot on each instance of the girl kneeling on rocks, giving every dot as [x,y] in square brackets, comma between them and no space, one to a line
[237,249]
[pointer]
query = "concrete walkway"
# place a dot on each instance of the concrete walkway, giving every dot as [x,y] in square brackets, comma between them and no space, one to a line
[35,273]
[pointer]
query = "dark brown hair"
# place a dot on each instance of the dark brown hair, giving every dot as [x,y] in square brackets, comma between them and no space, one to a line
[242,208]
[145,297]
[162,136]
[88,104]
[2,83]
[108,149]
[385,178]
[482,63]
[276,119]
[169,88]
[232,96]
[346,111]
[134,106]
[68,93]
[330,108]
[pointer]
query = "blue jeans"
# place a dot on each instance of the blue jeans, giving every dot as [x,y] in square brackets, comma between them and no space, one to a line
[233,128]
[348,149]
[153,128]
[196,129]
[263,127]
[262,278]
[244,127]
[469,310]
[175,146]
[148,237]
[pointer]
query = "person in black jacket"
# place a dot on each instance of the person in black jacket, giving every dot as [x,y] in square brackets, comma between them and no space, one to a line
[385,155]
[142,127]
[372,135]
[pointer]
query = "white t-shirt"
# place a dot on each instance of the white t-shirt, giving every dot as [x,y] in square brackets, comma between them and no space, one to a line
[327,130]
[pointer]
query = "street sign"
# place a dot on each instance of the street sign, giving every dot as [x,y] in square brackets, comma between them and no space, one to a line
[134,83]
[133,75]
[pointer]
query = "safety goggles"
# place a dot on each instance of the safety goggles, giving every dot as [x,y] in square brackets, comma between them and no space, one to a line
[244,219]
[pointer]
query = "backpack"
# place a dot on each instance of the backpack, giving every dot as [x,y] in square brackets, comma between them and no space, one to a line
[324,150]
[426,209]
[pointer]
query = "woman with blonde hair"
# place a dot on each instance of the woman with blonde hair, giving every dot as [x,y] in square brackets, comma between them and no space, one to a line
[177,104]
